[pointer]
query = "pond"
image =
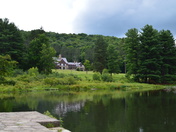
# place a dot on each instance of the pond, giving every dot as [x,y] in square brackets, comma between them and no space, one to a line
[100,110]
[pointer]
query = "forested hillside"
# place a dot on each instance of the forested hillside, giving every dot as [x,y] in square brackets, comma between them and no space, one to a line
[147,55]
[78,47]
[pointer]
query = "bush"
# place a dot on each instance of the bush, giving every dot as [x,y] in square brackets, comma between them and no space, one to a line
[96,76]
[27,78]
[17,72]
[105,71]
[70,80]
[33,71]
[106,77]
[47,113]
[60,81]
[7,82]
[10,82]
[74,76]
[56,74]
[51,81]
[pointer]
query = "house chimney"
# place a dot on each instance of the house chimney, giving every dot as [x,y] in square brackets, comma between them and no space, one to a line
[60,56]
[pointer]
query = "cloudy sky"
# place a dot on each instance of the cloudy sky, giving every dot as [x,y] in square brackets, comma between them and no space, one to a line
[106,17]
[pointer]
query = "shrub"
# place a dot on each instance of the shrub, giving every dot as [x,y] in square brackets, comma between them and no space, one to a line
[96,76]
[33,71]
[7,82]
[47,113]
[60,81]
[70,80]
[10,82]
[74,76]
[51,81]
[56,74]
[17,72]
[106,77]
[105,71]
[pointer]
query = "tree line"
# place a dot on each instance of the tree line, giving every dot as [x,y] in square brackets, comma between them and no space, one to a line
[151,55]
[37,53]
[146,56]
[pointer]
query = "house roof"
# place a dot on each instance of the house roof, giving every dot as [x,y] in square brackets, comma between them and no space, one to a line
[77,64]
[65,59]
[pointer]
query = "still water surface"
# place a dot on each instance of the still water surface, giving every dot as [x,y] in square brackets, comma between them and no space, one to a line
[100,111]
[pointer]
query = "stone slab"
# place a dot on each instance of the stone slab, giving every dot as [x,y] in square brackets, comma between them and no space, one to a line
[26,122]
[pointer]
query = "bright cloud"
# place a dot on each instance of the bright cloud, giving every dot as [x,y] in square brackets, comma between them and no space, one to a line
[106,17]
[52,15]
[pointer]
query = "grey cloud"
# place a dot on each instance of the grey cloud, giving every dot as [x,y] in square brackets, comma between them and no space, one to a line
[115,17]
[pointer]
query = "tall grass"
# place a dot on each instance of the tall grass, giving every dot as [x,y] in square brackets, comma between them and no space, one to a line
[71,79]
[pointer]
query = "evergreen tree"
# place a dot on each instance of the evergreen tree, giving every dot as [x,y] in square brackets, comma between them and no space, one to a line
[149,58]
[36,33]
[100,55]
[112,59]
[133,50]
[153,58]
[11,42]
[168,53]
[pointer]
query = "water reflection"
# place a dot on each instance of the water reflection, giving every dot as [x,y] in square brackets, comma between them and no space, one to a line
[101,111]
[63,107]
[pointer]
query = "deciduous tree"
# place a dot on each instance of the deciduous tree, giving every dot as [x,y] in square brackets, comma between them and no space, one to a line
[40,54]
[46,63]
[87,65]
[6,65]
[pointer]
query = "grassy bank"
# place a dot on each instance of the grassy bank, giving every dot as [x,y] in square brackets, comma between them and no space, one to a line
[71,79]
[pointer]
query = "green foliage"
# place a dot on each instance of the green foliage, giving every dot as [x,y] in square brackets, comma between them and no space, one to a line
[6,65]
[132,47]
[100,55]
[87,65]
[7,82]
[97,76]
[61,122]
[47,113]
[112,59]
[150,55]
[11,42]
[40,54]
[33,71]
[168,53]
[150,58]
[46,61]
[17,72]
[49,125]
[36,33]
[105,71]
[106,77]
[60,81]
[57,74]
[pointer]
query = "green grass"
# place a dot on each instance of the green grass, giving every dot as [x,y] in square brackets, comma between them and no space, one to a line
[71,79]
